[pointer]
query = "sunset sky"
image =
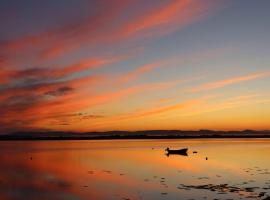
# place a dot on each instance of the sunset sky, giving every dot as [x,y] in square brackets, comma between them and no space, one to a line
[100,65]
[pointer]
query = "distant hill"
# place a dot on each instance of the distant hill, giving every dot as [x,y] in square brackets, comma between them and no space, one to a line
[147,134]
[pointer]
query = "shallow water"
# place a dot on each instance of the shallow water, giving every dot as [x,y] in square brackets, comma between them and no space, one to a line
[134,169]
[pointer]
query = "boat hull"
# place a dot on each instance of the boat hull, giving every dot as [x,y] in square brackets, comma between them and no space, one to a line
[178,151]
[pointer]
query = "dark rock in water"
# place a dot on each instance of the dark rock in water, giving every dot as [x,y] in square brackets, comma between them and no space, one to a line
[164,193]
[222,193]
[224,189]
[183,188]
[206,158]
[261,194]
[251,189]
[201,178]
[267,198]
[195,152]
[234,190]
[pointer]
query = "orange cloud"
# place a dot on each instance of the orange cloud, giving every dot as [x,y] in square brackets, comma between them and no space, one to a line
[168,18]
[153,112]
[230,81]
[64,105]
[94,30]
[234,102]
[159,21]
[41,89]
[81,66]
[130,76]
[106,12]
[87,101]
[165,109]
[49,91]
[9,75]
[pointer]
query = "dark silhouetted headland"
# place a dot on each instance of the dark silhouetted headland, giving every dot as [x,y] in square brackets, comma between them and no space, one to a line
[148,134]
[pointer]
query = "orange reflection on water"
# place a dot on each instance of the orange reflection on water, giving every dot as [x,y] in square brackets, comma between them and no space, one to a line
[136,169]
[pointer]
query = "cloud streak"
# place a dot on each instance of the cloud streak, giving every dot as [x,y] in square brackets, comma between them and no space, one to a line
[50,76]
[230,81]
[154,112]
[158,21]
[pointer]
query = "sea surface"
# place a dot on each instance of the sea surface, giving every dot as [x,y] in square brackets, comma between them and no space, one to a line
[134,169]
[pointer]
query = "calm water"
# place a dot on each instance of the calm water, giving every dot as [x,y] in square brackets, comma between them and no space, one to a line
[134,169]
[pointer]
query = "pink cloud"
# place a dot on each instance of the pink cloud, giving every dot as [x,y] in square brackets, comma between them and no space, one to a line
[230,81]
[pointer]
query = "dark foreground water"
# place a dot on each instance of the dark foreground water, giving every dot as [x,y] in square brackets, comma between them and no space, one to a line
[135,169]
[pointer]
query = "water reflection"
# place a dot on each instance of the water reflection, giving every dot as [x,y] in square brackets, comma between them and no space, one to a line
[134,170]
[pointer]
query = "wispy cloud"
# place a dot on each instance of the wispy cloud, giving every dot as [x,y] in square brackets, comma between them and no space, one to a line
[230,81]
[168,18]
[228,103]
[65,100]
[136,73]
[153,112]
[45,74]
[93,31]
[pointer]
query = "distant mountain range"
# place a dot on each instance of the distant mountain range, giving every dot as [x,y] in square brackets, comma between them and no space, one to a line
[147,134]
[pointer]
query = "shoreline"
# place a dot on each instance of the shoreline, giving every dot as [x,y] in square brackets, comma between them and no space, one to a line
[25,138]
